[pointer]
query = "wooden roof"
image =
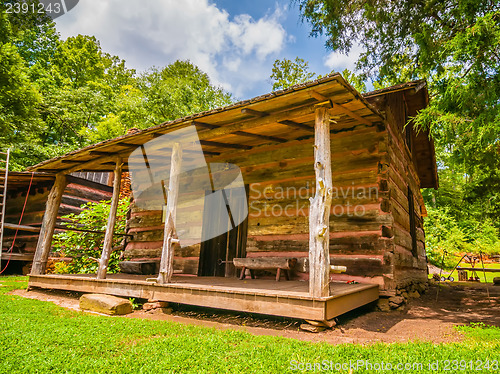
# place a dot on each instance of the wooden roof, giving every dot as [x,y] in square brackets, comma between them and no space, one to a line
[270,119]
[274,118]
[20,179]
[416,98]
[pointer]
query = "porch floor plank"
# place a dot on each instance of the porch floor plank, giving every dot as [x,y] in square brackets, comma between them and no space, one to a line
[262,296]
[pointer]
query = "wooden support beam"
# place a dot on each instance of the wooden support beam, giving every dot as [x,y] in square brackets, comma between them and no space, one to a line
[296,125]
[340,108]
[101,153]
[193,151]
[48,225]
[129,145]
[241,133]
[254,113]
[71,162]
[167,253]
[205,125]
[110,227]
[13,226]
[259,136]
[89,165]
[224,145]
[353,115]
[319,211]
[318,96]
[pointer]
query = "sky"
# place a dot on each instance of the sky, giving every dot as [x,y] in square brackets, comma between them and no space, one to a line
[234,41]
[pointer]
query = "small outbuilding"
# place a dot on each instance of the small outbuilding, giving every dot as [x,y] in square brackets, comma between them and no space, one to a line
[317,181]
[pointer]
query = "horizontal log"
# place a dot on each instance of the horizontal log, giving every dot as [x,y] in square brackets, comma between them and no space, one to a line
[139,267]
[13,226]
[17,256]
[265,263]
[353,265]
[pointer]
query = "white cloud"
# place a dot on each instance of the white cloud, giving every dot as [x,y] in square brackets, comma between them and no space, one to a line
[339,61]
[263,36]
[156,33]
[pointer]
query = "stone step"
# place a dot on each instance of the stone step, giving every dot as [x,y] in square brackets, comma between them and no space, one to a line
[106,304]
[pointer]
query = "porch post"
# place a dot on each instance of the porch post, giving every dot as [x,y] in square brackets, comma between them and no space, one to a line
[48,224]
[167,253]
[319,211]
[110,227]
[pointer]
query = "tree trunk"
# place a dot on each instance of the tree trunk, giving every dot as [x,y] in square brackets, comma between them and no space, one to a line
[48,224]
[319,211]
[110,227]
[167,254]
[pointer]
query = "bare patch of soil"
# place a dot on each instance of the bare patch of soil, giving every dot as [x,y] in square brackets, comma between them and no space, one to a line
[428,318]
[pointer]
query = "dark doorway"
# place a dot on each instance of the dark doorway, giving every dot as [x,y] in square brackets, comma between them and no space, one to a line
[228,216]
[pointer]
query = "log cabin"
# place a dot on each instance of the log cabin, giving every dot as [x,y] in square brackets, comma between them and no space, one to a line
[325,176]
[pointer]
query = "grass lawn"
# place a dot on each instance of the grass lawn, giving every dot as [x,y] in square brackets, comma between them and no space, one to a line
[479,266]
[479,271]
[40,337]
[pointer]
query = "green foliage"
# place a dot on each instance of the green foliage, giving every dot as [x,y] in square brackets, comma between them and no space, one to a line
[287,73]
[18,96]
[61,267]
[84,248]
[355,80]
[59,95]
[444,238]
[178,90]
[480,331]
[135,304]
[449,236]
[83,343]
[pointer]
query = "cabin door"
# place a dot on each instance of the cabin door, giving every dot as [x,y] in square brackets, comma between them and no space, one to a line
[217,253]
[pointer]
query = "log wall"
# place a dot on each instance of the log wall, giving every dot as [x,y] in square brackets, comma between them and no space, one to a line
[369,221]
[279,207]
[408,254]
[281,181]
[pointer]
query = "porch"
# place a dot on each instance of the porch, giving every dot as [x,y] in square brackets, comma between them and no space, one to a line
[191,181]
[261,296]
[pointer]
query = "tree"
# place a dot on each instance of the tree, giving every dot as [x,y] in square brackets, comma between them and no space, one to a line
[159,95]
[178,90]
[287,73]
[81,89]
[58,95]
[18,96]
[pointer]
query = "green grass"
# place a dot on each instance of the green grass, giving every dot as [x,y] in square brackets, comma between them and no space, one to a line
[40,337]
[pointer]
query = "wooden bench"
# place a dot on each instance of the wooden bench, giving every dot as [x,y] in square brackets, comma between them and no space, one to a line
[139,267]
[480,270]
[265,263]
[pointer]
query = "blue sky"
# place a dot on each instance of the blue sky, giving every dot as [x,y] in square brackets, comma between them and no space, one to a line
[234,42]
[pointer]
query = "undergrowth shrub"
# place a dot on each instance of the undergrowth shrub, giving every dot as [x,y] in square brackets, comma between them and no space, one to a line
[85,248]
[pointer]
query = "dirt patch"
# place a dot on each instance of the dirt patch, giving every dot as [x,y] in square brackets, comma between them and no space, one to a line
[428,318]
